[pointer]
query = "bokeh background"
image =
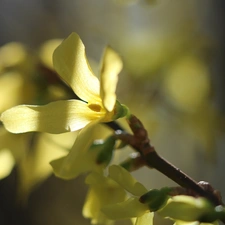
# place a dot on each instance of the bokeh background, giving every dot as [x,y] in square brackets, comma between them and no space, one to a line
[173,80]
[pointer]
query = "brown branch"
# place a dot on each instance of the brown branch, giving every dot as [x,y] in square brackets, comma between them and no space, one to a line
[133,162]
[140,142]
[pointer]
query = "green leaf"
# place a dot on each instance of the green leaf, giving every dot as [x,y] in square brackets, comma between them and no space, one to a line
[121,111]
[106,150]
[216,214]
[155,199]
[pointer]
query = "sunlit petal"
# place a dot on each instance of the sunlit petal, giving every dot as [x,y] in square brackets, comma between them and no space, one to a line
[70,62]
[111,67]
[55,117]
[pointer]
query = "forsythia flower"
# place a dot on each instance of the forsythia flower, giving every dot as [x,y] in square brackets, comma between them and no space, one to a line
[103,191]
[98,100]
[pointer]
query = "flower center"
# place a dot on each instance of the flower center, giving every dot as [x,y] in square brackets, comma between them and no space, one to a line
[95,107]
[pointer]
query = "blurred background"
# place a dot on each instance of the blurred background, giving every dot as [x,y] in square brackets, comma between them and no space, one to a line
[173,80]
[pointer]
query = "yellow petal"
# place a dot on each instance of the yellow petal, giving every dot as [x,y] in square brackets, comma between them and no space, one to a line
[78,160]
[124,210]
[111,67]
[12,89]
[180,222]
[70,62]
[46,51]
[186,208]
[92,206]
[103,191]
[146,219]
[6,162]
[126,180]
[17,147]
[55,117]
[12,54]
[34,168]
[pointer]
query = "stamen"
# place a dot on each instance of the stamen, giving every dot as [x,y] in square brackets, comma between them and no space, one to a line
[95,107]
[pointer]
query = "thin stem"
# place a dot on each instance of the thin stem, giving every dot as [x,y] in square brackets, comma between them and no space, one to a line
[155,161]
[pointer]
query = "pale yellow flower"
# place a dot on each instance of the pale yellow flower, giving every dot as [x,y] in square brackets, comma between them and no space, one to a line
[103,191]
[98,99]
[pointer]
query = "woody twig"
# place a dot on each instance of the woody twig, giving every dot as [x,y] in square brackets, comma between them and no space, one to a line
[141,143]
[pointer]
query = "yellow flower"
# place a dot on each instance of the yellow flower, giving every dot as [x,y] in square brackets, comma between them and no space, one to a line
[98,100]
[103,191]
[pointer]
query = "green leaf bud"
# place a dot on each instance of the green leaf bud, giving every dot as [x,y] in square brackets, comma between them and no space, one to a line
[155,199]
[120,111]
[106,150]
